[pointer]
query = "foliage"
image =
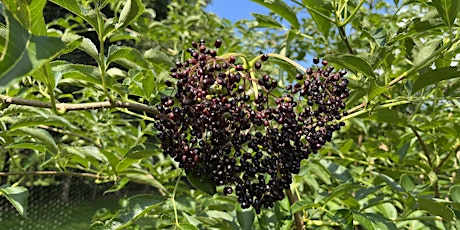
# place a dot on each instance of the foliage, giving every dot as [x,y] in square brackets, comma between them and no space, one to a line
[395,165]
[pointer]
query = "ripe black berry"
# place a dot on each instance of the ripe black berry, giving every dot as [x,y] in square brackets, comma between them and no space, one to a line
[216,125]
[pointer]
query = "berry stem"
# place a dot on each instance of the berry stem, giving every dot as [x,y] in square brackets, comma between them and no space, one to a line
[286,59]
[173,198]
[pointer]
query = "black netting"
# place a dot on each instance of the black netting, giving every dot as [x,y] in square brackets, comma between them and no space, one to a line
[69,203]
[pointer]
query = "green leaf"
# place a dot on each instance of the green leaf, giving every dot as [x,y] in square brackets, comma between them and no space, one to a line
[245,217]
[138,206]
[77,9]
[302,205]
[436,208]
[202,183]
[402,151]
[25,53]
[407,182]
[344,217]
[156,56]
[38,134]
[435,76]
[363,220]
[320,11]
[88,47]
[186,226]
[448,10]
[425,50]
[353,63]
[131,10]
[50,120]
[282,9]
[374,221]
[127,53]
[17,196]
[393,184]
[144,177]
[266,21]
[389,116]
[339,172]
[79,72]
[87,152]
[454,192]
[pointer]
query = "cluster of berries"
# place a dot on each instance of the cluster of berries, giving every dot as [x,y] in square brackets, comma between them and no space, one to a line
[224,123]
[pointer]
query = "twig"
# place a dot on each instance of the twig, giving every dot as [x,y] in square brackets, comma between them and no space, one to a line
[67,132]
[430,163]
[41,173]
[81,106]
[297,217]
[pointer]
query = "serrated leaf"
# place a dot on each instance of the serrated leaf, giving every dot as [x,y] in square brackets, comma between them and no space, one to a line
[131,10]
[282,9]
[320,11]
[17,196]
[437,209]
[77,9]
[127,53]
[51,120]
[202,183]
[353,63]
[448,10]
[24,53]
[435,76]
[40,135]
[79,72]
[90,152]
[266,21]
[245,217]
[33,146]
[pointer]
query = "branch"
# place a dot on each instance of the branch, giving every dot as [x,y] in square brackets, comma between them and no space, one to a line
[430,163]
[297,217]
[90,175]
[81,106]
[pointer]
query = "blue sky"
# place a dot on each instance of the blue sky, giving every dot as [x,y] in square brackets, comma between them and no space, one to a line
[236,10]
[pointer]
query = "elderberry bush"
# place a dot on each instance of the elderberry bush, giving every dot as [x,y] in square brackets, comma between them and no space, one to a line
[224,121]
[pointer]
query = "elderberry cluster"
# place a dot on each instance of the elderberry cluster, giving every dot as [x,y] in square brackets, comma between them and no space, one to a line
[226,122]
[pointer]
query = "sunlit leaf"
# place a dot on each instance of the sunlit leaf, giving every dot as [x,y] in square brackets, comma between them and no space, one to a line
[17,196]
[435,76]
[448,10]
[351,62]
[282,9]
[25,53]
[266,21]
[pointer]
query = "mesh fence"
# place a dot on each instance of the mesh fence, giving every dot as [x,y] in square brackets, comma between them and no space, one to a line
[69,203]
